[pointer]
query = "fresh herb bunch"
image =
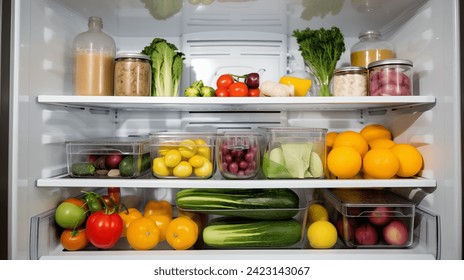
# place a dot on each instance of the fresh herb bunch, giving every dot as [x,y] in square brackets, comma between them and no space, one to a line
[321,49]
[166,62]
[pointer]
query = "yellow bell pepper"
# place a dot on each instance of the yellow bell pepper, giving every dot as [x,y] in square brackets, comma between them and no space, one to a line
[300,85]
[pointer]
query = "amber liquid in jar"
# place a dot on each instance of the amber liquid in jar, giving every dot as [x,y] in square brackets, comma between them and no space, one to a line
[370,47]
[93,74]
[364,57]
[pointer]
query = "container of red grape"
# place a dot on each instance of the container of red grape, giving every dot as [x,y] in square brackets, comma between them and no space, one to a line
[238,155]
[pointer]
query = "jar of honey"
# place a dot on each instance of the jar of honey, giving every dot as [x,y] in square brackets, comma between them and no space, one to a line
[371,47]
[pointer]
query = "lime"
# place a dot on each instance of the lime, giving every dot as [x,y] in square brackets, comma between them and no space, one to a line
[322,235]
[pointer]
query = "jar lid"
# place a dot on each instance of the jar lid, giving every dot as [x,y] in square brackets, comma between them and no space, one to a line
[396,61]
[132,55]
[348,69]
[369,32]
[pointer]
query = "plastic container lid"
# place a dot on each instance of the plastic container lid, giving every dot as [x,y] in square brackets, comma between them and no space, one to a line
[132,55]
[396,61]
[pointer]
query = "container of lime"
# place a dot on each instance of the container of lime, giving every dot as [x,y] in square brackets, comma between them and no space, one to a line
[294,153]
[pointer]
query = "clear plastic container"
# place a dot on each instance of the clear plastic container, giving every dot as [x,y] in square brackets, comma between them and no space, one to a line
[294,153]
[238,155]
[390,77]
[349,81]
[132,75]
[114,157]
[371,47]
[94,53]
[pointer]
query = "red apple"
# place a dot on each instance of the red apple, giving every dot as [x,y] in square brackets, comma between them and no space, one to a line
[366,234]
[380,216]
[396,233]
[112,161]
[350,224]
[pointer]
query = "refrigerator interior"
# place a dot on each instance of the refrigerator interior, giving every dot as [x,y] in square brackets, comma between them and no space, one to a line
[239,36]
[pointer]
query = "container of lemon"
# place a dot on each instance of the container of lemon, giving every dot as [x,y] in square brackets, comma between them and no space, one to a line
[183,155]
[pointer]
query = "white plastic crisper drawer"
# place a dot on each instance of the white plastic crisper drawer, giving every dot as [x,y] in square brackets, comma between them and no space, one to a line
[211,54]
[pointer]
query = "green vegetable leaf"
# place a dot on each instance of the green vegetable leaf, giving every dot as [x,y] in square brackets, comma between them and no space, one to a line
[297,158]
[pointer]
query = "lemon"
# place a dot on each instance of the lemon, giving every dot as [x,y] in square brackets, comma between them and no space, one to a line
[204,171]
[159,167]
[172,158]
[317,212]
[166,147]
[202,148]
[182,170]
[187,148]
[322,235]
[197,161]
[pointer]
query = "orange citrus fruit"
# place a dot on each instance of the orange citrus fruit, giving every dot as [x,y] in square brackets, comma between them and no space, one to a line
[374,131]
[344,162]
[381,143]
[380,163]
[351,139]
[330,138]
[410,159]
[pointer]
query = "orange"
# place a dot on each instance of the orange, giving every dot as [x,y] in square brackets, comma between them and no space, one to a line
[330,138]
[380,163]
[182,233]
[344,162]
[351,139]
[162,222]
[374,131]
[410,159]
[381,143]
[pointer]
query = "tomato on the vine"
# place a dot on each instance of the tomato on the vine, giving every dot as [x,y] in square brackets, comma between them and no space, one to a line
[224,81]
[143,234]
[222,92]
[238,89]
[71,213]
[254,92]
[74,239]
[104,228]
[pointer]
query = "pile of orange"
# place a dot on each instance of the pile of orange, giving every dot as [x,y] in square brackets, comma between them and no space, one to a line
[370,153]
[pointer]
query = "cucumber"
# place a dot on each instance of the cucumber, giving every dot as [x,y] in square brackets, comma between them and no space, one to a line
[236,233]
[273,204]
[83,169]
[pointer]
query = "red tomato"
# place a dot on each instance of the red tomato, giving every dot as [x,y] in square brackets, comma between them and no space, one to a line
[224,81]
[238,89]
[73,240]
[104,229]
[222,92]
[254,92]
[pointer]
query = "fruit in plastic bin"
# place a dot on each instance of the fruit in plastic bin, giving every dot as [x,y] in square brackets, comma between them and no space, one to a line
[395,233]
[380,216]
[160,168]
[380,163]
[187,148]
[204,171]
[322,235]
[112,161]
[344,162]
[172,158]
[374,131]
[410,159]
[346,229]
[317,212]
[366,234]
[203,148]
[182,170]
[351,139]
[166,147]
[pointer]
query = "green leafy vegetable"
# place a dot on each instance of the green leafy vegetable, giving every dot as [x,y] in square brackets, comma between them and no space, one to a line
[321,49]
[166,62]
[163,9]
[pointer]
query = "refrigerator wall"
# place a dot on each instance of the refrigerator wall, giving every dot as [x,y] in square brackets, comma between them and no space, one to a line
[43,118]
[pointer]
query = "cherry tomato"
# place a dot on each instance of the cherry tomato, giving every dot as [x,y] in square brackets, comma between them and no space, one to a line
[224,81]
[73,240]
[162,207]
[182,233]
[104,229]
[143,234]
[254,92]
[129,215]
[222,92]
[115,194]
[71,213]
[238,89]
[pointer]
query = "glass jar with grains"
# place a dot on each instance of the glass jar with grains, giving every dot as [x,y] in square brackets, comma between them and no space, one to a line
[371,47]
[350,81]
[132,75]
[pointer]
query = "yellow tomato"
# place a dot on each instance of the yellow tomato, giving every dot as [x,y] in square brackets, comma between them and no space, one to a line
[143,234]
[128,216]
[160,168]
[161,207]
[162,222]
[182,233]
[182,170]
[198,218]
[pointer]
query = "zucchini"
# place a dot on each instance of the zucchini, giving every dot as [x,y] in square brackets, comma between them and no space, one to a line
[83,169]
[235,233]
[273,204]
